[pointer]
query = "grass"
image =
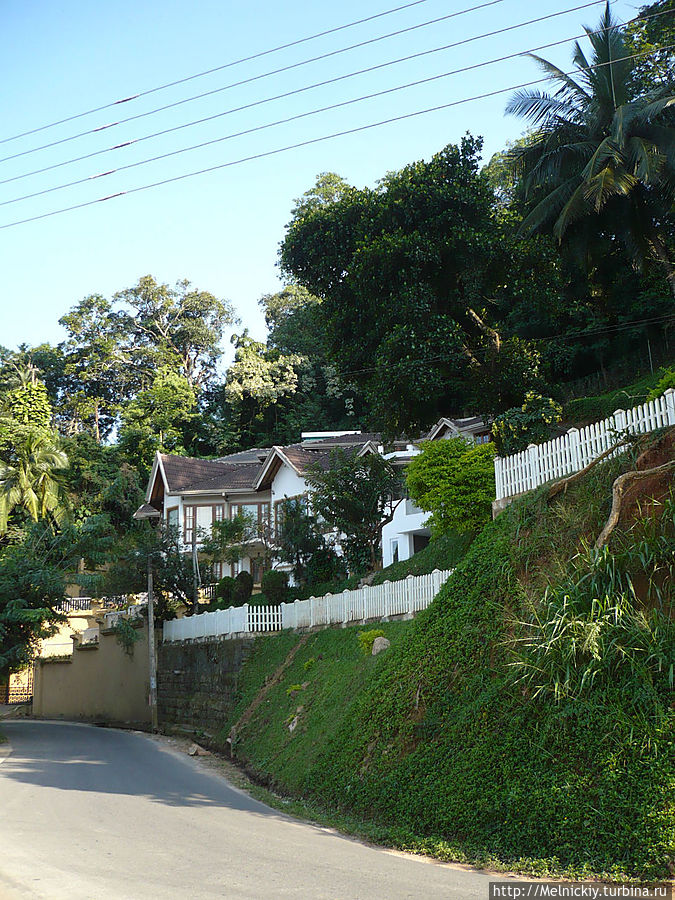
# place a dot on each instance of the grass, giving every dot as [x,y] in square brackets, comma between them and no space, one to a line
[590,409]
[442,552]
[432,746]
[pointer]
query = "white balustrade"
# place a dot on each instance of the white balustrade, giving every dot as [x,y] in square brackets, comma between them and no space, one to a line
[539,463]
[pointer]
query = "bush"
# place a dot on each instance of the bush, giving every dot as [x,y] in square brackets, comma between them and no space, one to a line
[325,565]
[275,586]
[667,381]
[367,639]
[243,588]
[454,481]
[530,423]
[225,590]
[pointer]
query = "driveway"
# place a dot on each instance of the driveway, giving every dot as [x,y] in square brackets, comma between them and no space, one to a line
[96,813]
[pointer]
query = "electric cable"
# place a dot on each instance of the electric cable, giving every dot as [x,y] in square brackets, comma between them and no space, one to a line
[263,75]
[284,121]
[310,141]
[236,62]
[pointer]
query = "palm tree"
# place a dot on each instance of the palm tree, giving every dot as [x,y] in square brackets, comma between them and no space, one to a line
[32,480]
[600,158]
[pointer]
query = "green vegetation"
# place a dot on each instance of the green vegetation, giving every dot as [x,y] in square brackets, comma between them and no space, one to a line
[440,744]
[443,552]
[592,409]
[340,672]
[454,481]
[367,639]
[127,635]
[531,423]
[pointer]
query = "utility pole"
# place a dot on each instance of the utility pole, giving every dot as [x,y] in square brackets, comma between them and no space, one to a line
[149,513]
[152,660]
[195,569]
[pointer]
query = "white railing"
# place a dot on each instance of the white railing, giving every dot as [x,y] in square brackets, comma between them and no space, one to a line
[133,611]
[577,448]
[392,598]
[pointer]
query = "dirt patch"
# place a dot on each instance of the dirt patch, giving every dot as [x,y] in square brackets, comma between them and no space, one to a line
[644,498]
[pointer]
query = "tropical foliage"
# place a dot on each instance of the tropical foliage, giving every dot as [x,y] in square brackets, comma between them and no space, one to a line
[599,163]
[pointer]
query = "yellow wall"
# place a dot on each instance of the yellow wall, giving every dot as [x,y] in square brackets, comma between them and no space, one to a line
[101,682]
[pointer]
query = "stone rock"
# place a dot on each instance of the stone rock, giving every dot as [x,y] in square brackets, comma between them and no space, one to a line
[196,750]
[380,644]
[292,725]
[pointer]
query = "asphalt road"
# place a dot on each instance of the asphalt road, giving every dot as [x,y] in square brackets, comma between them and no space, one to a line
[92,814]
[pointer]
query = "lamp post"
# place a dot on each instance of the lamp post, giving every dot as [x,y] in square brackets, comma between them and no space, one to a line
[150,514]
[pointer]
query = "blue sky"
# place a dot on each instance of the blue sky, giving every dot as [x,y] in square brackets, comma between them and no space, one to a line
[222,230]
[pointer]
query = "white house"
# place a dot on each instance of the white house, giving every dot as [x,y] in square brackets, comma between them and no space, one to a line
[194,493]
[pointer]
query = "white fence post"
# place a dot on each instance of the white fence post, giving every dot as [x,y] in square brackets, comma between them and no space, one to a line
[620,420]
[669,399]
[533,465]
[311,612]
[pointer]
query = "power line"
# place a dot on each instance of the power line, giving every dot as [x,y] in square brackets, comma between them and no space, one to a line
[263,75]
[310,141]
[236,62]
[286,120]
[610,329]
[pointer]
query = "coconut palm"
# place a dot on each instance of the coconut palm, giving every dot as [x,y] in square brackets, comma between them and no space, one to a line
[600,158]
[31,481]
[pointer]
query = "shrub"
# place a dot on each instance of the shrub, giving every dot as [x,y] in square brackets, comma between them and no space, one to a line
[275,586]
[367,639]
[324,565]
[225,590]
[243,588]
[454,481]
[530,423]
[667,381]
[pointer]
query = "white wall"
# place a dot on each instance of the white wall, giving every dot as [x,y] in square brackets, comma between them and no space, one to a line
[405,523]
[287,483]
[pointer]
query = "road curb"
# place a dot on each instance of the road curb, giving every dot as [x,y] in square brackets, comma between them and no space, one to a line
[5,750]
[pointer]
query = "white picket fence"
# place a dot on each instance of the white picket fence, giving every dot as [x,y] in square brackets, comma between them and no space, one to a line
[578,447]
[392,598]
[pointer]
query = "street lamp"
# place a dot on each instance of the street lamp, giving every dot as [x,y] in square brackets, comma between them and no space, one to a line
[148,513]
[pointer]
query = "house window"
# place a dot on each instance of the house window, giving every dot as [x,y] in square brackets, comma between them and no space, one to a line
[300,501]
[172,517]
[188,530]
[394,551]
[219,512]
[482,439]
[257,513]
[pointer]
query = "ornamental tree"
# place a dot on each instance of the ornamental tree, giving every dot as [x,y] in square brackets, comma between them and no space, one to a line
[454,481]
[355,496]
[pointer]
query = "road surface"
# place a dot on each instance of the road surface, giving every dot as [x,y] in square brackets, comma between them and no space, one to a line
[98,814]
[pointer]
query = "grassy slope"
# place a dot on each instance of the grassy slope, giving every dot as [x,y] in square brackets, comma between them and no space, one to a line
[432,742]
[590,409]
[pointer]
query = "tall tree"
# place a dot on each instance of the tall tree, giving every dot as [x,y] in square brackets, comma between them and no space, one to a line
[31,478]
[179,327]
[97,366]
[158,418]
[602,159]
[34,572]
[407,274]
[258,380]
